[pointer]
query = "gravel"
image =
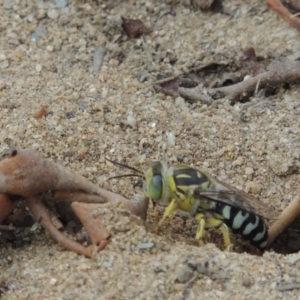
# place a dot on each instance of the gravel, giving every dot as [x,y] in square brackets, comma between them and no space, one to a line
[52,55]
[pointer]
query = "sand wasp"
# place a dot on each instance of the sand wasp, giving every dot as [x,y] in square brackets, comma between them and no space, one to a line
[209,200]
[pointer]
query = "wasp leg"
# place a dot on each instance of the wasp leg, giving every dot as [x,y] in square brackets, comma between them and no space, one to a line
[226,235]
[200,229]
[169,210]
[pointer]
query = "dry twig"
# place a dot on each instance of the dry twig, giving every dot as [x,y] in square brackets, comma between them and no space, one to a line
[278,73]
[277,6]
[291,212]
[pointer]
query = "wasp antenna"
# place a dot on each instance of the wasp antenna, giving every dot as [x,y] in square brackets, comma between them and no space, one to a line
[125,166]
[125,175]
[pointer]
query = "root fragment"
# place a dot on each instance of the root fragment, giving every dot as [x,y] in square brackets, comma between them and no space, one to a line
[26,173]
[40,213]
[291,212]
[278,7]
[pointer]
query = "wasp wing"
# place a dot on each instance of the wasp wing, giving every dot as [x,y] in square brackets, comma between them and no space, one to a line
[203,186]
[236,198]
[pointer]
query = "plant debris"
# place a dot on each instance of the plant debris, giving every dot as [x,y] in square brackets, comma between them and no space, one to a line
[134,28]
[41,113]
[277,6]
[277,74]
[208,5]
[27,174]
[290,213]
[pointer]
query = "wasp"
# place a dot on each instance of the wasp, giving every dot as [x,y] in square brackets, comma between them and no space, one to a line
[210,201]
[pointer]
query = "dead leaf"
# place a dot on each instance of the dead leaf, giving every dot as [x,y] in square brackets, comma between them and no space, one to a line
[134,28]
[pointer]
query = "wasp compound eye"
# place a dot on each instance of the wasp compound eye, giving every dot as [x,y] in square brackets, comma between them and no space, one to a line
[155,187]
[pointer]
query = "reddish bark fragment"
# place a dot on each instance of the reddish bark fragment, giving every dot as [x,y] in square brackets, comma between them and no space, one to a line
[134,28]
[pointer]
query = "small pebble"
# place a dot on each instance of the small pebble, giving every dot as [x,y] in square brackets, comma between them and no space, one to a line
[288,286]
[34,227]
[8,4]
[143,78]
[49,48]
[246,282]
[53,281]
[178,287]
[238,162]
[185,276]
[180,158]
[273,285]
[113,62]
[38,68]
[131,120]
[179,101]
[201,268]
[61,4]
[2,57]
[159,295]
[249,171]
[93,90]
[143,246]
[224,275]
[171,138]
[98,57]
[101,38]
[52,13]
[2,86]
[39,33]
[159,267]
[4,64]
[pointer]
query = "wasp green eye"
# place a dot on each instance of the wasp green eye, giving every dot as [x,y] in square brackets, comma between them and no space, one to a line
[155,187]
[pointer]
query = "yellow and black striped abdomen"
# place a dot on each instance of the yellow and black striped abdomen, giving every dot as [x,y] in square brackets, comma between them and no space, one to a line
[249,225]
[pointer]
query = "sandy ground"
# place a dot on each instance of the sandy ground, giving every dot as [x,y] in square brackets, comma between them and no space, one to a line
[46,59]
